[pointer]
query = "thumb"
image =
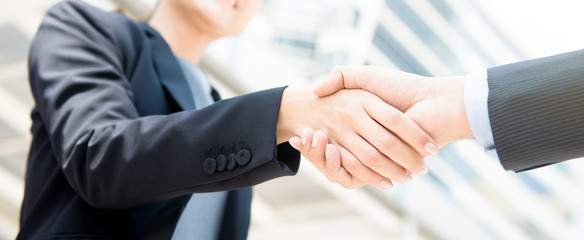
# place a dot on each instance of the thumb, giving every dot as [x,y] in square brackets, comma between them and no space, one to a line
[349,77]
[332,83]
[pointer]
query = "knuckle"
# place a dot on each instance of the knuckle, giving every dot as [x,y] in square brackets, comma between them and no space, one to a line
[411,160]
[346,185]
[351,165]
[344,113]
[416,163]
[347,114]
[356,183]
[305,151]
[316,156]
[394,118]
[388,141]
[337,69]
[392,148]
[331,179]
[350,185]
[402,174]
[331,127]
[371,158]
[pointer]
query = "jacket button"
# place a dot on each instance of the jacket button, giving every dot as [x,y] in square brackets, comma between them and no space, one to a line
[243,157]
[221,162]
[209,166]
[231,162]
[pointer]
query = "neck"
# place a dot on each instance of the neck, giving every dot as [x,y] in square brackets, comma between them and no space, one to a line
[184,39]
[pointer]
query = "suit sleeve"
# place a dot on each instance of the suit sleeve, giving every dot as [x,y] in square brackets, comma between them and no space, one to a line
[112,157]
[536,109]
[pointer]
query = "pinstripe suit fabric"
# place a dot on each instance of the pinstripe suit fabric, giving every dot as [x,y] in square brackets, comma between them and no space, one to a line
[536,109]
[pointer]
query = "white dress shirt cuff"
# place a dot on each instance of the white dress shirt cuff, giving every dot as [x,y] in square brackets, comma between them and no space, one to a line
[476,94]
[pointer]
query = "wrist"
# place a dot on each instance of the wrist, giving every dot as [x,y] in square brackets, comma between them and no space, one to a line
[440,110]
[451,90]
[294,108]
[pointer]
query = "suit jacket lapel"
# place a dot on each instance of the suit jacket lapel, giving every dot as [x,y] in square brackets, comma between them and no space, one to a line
[236,217]
[168,70]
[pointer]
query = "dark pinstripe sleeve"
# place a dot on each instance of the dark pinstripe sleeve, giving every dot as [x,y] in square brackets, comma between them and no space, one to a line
[536,109]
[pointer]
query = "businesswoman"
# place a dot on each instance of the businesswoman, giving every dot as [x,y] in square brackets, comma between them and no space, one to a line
[131,142]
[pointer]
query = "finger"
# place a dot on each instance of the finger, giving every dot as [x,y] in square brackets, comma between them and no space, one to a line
[332,83]
[310,151]
[390,145]
[334,168]
[333,160]
[322,153]
[394,152]
[306,137]
[373,158]
[295,143]
[366,163]
[403,126]
[317,149]
[319,139]
[318,154]
[360,172]
[348,77]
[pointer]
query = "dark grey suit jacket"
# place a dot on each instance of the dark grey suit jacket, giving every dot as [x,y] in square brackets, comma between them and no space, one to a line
[116,150]
[536,109]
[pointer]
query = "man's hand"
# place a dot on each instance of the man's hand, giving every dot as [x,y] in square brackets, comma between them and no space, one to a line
[377,142]
[436,104]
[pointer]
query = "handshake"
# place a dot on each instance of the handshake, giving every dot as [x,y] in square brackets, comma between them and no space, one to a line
[372,125]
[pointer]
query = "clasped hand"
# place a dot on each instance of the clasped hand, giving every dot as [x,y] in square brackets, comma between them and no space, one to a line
[381,132]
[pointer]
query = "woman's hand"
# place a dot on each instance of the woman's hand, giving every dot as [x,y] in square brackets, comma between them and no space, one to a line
[377,142]
[326,158]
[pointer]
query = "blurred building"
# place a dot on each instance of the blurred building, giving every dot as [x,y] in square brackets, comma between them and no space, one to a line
[466,194]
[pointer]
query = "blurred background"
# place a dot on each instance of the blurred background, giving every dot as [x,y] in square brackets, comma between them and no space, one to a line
[466,195]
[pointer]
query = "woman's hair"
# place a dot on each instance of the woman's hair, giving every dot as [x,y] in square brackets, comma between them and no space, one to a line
[136,10]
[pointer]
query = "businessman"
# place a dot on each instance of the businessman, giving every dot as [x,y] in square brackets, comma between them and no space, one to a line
[530,112]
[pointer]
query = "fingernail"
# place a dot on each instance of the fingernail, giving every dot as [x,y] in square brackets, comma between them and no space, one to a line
[314,142]
[408,179]
[422,172]
[386,185]
[432,149]
[294,142]
[327,153]
[304,133]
